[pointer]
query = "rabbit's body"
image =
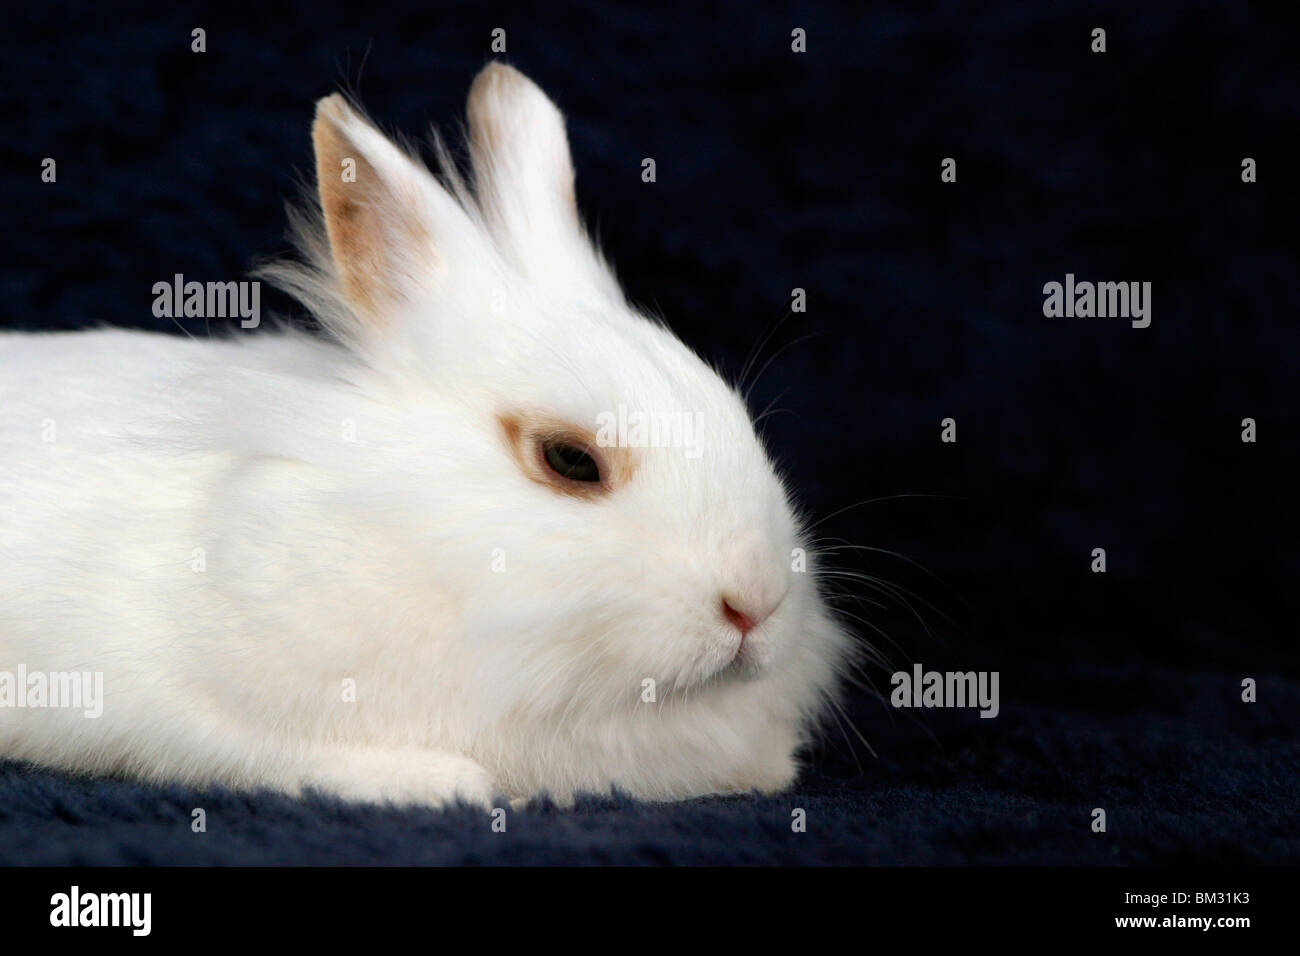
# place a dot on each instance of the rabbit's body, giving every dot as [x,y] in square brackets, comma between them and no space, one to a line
[344,564]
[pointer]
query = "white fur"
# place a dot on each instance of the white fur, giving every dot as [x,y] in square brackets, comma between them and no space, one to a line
[371,560]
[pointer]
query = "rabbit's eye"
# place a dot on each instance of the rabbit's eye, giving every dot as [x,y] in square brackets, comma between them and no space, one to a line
[564,458]
[570,461]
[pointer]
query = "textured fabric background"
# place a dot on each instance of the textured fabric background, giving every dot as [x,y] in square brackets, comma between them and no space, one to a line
[818,171]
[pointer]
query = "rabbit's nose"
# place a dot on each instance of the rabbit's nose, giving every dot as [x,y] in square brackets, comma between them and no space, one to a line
[746,615]
[751,584]
[740,619]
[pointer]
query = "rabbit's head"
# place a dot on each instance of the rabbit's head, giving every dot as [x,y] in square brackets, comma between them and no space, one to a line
[584,490]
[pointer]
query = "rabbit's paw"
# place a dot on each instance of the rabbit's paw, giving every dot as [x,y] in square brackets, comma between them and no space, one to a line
[772,769]
[404,777]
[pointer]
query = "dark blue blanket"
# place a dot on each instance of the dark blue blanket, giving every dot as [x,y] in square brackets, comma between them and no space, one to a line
[776,170]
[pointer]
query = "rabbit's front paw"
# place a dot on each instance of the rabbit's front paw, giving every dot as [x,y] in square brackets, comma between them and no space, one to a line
[772,768]
[405,777]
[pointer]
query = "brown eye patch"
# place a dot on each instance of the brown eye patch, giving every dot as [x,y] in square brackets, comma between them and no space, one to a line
[565,457]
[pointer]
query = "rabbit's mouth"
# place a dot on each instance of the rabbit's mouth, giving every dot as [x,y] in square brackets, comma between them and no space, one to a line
[748,663]
[740,650]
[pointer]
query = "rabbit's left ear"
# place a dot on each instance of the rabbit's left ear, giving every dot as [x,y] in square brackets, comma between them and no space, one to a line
[392,229]
[523,176]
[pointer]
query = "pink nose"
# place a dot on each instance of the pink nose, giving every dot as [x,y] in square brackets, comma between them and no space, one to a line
[743,622]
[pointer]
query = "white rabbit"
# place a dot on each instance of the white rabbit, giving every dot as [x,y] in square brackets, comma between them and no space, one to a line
[398,563]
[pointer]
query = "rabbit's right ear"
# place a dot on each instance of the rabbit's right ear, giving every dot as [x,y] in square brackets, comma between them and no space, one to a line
[390,224]
[524,180]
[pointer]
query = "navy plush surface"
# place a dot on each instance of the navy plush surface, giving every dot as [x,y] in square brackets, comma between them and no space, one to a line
[778,170]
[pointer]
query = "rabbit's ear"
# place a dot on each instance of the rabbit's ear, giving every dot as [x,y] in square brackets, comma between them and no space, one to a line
[523,177]
[388,221]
